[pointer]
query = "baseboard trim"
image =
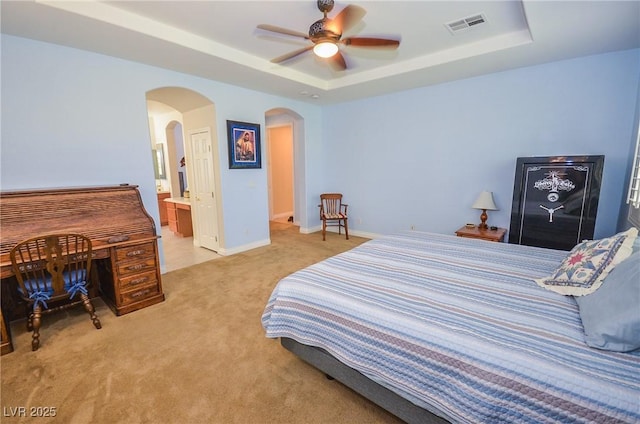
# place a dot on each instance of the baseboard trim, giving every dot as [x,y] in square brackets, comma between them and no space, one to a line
[227,252]
[243,248]
[357,233]
[282,215]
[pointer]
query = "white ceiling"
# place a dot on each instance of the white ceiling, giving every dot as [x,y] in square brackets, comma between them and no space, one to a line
[219,40]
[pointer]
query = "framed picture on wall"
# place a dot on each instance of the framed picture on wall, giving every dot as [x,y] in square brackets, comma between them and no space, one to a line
[244,145]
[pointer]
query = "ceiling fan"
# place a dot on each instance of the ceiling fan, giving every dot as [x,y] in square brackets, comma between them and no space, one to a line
[326,35]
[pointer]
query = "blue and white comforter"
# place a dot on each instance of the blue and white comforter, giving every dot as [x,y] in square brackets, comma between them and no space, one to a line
[458,326]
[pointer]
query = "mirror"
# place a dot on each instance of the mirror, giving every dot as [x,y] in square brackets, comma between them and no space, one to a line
[158,162]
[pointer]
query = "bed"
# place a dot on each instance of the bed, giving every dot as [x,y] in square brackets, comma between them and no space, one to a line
[435,327]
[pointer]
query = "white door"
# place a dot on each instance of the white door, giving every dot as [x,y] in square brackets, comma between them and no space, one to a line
[202,191]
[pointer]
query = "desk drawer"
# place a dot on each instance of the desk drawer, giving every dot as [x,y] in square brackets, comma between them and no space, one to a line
[139,294]
[137,266]
[134,281]
[144,250]
[130,280]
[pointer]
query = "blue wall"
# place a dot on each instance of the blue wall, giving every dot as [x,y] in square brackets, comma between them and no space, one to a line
[417,158]
[421,157]
[75,118]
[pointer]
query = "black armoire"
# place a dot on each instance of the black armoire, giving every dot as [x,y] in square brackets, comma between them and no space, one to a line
[555,200]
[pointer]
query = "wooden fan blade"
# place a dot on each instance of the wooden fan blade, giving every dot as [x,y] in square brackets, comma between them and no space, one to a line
[347,18]
[291,54]
[371,42]
[337,62]
[280,30]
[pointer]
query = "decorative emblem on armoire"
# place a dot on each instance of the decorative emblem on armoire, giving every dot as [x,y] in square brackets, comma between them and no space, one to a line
[554,182]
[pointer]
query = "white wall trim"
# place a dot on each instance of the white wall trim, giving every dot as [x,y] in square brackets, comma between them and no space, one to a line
[283,215]
[318,228]
[244,247]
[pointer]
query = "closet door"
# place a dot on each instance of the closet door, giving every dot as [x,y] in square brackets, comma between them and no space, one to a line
[555,200]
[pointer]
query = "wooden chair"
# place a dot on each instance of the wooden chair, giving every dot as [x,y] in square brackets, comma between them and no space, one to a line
[51,270]
[333,213]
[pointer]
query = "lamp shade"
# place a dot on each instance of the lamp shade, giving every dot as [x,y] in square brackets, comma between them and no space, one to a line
[485,201]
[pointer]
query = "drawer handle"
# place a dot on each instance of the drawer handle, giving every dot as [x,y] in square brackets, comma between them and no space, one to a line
[138,281]
[141,293]
[136,252]
[136,267]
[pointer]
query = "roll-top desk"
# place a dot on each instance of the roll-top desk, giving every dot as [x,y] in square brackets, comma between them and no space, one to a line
[123,234]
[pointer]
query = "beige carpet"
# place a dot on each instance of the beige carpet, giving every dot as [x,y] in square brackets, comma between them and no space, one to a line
[199,357]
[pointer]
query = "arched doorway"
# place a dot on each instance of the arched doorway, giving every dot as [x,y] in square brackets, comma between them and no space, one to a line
[288,126]
[179,118]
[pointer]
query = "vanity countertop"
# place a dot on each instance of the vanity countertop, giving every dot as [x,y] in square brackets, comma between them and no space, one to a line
[180,200]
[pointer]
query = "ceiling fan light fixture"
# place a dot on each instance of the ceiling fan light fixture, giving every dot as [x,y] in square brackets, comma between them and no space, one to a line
[325,36]
[325,49]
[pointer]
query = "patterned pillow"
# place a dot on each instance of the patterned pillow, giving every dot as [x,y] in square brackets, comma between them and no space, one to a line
[583,270]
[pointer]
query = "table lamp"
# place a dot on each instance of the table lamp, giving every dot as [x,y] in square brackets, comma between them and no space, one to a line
[486,203]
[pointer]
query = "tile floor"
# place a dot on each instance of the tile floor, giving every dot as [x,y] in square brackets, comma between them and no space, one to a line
[179,252]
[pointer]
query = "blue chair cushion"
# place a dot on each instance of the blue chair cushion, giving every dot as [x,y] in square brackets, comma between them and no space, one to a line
[74,283]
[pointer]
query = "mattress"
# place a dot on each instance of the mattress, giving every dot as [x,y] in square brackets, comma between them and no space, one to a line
[458,326]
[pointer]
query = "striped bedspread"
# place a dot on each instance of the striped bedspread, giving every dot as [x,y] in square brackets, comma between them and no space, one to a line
[458,326]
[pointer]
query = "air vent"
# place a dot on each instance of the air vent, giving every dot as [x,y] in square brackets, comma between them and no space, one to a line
[466,23]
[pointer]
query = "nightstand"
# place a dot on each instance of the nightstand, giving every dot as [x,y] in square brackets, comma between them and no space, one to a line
[488,234]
